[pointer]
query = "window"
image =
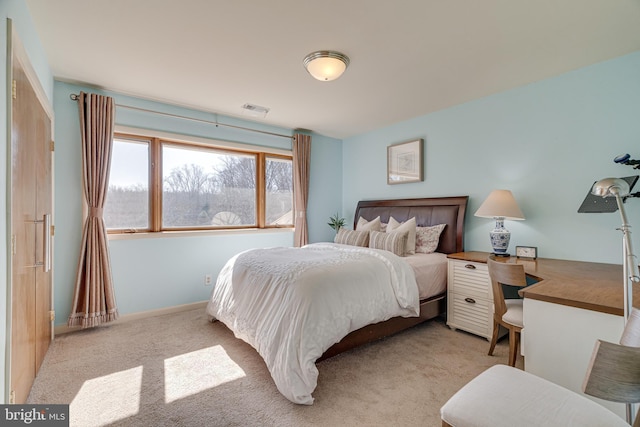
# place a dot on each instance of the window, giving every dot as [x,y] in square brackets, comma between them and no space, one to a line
[195,187]
[127,204]
[279,191]
[203,187]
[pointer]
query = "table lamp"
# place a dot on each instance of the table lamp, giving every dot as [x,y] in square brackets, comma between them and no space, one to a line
[500,205]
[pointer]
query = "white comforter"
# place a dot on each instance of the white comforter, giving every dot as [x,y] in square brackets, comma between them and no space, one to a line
[292,304]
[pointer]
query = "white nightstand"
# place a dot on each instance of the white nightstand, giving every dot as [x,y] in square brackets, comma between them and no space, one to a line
[469,295]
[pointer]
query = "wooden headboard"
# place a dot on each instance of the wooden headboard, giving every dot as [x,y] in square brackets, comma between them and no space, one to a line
[431,211]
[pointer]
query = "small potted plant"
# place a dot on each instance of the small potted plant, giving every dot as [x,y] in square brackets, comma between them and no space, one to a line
[336,222]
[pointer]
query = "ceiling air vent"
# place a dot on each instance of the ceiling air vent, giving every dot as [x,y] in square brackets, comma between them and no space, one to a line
[254,110]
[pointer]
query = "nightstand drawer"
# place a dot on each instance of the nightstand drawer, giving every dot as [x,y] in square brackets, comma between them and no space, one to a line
[469,279]
[470,314]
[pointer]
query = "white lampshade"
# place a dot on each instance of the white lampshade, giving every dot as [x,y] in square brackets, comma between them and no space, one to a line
[325,65]
[500,204]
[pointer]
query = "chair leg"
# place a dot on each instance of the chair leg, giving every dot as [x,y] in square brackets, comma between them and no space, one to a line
[494,337]
[514,341]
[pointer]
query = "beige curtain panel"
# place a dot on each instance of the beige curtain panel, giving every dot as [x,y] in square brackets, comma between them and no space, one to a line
[94,301]
[301,161]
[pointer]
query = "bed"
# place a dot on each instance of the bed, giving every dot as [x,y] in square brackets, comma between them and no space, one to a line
[298,306]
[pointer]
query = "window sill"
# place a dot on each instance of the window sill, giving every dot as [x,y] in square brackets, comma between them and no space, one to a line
[195,233]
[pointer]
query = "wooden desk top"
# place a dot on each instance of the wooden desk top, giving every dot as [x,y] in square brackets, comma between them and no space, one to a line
[588,285]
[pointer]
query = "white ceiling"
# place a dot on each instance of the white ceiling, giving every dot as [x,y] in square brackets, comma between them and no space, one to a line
[408,58]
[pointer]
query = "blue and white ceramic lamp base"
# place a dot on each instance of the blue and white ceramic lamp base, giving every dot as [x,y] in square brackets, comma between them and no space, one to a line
[500,237]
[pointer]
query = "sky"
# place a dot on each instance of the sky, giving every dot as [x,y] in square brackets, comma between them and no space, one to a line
[129,165]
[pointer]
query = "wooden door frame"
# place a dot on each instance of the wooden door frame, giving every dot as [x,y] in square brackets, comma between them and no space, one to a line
[16,51]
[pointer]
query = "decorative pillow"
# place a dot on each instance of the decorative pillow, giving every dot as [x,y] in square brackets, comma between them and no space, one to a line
[427,238]
[392,242]
[364,225]
[410,227]
[352,237]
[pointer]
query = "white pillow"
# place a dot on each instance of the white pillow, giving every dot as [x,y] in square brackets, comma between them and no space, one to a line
[364,225]
[410,227]
[352,237]
[392,242]
[427,238]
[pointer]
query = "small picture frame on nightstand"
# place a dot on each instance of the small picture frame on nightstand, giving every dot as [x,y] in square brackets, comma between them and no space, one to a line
[530,252]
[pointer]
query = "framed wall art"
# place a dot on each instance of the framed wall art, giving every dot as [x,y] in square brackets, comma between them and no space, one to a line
[404,162]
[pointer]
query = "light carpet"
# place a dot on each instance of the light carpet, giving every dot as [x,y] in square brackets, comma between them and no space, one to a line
[180,370]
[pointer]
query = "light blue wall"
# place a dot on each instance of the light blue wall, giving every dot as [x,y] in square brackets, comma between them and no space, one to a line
[16,11]
[547,142]
[152,273]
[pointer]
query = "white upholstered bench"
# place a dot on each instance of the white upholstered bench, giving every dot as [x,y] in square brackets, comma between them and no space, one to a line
[506,396]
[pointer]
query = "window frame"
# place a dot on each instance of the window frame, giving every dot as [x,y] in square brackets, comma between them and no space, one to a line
[155,180]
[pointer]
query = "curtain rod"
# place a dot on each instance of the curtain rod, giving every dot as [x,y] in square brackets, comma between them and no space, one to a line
[74,97]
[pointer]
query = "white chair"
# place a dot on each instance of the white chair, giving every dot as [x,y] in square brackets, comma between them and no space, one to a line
[506,396]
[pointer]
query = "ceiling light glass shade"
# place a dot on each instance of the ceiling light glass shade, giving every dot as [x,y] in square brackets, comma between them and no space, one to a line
[500,204]
[609,187]
[326,65]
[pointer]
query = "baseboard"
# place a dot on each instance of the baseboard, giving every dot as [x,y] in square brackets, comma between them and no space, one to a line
[64,329]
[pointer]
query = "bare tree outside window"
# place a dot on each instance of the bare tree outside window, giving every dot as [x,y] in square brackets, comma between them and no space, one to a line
[235,180]
[204,183]
[186,196]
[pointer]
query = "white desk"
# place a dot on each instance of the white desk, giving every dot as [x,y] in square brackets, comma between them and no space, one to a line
[574,304]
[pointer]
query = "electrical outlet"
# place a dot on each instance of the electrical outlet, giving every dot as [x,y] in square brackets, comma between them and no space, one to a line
[207,280]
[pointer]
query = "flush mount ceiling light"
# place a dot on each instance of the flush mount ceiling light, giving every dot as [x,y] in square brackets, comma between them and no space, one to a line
[326,65]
